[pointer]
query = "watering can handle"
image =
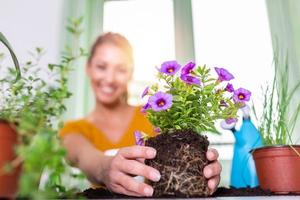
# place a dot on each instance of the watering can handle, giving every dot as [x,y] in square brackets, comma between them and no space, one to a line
[13,56]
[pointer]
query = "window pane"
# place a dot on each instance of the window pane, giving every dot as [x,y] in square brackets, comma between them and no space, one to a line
[235,34]
[149,26]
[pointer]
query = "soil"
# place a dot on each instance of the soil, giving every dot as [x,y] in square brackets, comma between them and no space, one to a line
[180,158]
[230,192]
[221,192]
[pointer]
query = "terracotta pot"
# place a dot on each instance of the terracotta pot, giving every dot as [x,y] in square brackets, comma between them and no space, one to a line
[278,168]
[8,181]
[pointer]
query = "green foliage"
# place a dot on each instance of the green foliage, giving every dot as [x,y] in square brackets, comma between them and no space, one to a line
[195,107]
[35,103]
[278,121]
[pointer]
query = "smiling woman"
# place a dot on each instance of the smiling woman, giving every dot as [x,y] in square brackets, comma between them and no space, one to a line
[110,68]
[112,122]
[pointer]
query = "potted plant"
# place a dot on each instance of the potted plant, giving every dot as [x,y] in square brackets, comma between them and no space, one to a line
[32,101]
[278,162]
[184,104]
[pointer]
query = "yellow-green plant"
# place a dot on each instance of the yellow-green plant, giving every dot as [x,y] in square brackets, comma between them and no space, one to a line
[278,121]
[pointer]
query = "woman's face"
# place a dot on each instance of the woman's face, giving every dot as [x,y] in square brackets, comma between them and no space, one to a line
[110,71]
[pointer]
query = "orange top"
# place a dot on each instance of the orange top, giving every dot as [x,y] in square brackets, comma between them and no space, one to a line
[99,140]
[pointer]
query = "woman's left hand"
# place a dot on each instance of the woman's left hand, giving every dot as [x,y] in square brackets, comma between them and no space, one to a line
[213,170]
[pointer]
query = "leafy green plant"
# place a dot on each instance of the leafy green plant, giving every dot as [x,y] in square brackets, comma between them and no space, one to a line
[192,99]
[278,121]
[35,107]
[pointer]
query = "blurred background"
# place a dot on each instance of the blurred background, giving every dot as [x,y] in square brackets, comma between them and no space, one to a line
[239,35]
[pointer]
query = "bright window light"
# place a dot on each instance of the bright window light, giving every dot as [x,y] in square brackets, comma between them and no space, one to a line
[149,26]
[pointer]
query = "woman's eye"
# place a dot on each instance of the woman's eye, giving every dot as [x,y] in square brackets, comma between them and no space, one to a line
[122,70]
[101,67]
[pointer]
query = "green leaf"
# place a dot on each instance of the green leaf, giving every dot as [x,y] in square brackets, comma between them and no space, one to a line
[39,50]
[71,29]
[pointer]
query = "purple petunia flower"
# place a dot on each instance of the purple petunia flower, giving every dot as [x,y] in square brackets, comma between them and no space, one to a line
[241,95]
[228,126]
[190,79]
[188,68]
[169,67]
[145,92]
[139,140]
[231,120]
[223,103]
[223,74]
[157,130]
[229,87]
[160,101]
[145,107]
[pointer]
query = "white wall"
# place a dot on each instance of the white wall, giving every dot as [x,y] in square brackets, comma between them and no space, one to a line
[32,23]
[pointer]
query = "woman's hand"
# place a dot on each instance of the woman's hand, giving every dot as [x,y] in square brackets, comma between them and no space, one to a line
[114,171]
[213,170]
[118,171]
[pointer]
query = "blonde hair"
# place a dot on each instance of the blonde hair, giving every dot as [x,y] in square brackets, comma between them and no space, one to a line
[114,39]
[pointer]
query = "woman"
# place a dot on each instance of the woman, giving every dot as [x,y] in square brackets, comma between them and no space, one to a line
[112,123]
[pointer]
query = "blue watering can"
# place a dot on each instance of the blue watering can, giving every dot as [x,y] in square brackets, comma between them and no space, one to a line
[243,172]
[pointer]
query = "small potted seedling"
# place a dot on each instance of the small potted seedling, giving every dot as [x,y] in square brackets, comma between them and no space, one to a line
[278,162]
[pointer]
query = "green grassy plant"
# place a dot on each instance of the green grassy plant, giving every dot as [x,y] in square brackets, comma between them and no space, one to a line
[279,117]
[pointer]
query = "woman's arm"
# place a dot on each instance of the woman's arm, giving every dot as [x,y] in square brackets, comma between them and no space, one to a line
[82,154]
